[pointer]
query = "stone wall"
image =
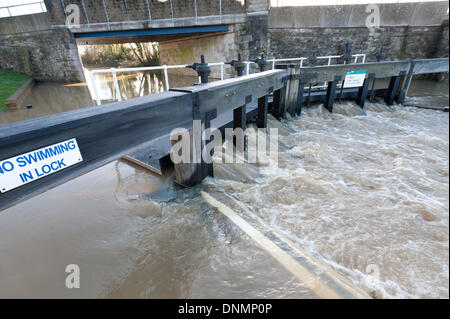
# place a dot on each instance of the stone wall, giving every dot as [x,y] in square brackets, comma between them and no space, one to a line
[252,36]
[407,30]
[29,45]
[442,49]
[137,10]
[397,42]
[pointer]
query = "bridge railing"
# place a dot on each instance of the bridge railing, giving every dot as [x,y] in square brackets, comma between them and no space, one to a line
[25,8]
[165,69]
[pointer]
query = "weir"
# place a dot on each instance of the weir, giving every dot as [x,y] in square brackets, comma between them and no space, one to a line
[108,132]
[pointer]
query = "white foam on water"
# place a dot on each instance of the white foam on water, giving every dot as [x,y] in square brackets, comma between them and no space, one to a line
[366,191]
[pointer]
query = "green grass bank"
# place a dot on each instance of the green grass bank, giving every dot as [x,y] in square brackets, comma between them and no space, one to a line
[9,83]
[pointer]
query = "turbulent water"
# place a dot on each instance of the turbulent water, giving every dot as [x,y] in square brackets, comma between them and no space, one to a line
[366,192]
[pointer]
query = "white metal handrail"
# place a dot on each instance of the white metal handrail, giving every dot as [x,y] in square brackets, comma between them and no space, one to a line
[41,3]
[165,68]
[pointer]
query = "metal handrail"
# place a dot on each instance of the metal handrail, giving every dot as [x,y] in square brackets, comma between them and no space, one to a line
[43,8]
[165,68]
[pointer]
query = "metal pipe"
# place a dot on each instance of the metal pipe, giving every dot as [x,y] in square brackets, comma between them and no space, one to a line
[171,9]
[106,14]
[85,11]
[149,10]
[64,8]
[195,9]
[126,9]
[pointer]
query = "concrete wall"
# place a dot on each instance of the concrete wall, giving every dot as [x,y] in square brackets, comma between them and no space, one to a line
[407,30]
[29,45]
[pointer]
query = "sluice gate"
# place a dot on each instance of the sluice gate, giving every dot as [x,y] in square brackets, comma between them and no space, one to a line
[111,131]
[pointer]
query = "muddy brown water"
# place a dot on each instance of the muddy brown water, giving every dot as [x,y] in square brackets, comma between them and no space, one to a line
[366,192]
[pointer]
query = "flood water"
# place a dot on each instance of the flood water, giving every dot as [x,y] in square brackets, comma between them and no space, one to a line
[52,97]
[366,192]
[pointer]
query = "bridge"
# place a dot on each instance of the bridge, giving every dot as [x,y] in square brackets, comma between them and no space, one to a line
[44,45]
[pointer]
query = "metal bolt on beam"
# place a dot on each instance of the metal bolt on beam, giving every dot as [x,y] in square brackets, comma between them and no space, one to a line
[202,68]
[261,62]
[238,65]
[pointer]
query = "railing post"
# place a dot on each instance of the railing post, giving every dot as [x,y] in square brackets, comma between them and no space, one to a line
[94,87]
[166,78]
[362,92]
[331,93]
[116,84]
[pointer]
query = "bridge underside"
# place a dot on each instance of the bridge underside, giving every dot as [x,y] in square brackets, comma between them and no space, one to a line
[147,35]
